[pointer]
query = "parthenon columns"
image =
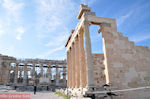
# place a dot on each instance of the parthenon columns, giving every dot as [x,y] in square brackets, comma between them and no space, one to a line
[25,74]
[33,73]
[49,74]
[16,74]
[7,75]
[41,70]
[57,80]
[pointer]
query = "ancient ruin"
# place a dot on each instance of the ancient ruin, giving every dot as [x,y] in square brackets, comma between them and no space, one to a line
[29,72]
[123,71]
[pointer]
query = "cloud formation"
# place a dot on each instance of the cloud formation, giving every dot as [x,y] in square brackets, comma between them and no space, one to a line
[55,17]
[13,9]
[123,18]
[20,32]
[140,37]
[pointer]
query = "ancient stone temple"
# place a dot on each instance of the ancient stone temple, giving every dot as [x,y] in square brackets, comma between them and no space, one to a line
[123,71]
[29,72]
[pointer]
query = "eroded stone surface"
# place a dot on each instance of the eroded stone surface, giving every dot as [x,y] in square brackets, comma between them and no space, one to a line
[122,66]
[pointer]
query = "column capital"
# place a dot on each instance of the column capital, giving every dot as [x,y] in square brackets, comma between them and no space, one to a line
[85,22]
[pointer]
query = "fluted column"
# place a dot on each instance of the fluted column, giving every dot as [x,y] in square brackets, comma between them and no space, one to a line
[57,80]
[49,74]
[71,68]
[88,56]
[41,66]
[25,74]
[73,65]
[7,72]
[33,73]
[8,77]
[68,69]
[75,62]
[81,48]
[64,74]
[16,74]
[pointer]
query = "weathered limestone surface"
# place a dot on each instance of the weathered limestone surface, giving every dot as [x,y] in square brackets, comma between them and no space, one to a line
[99,74]
[122,66]
[23,72]
[128,64]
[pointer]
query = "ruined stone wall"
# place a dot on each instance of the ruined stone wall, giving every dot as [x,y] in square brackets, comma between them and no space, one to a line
[128,65]
[99,76]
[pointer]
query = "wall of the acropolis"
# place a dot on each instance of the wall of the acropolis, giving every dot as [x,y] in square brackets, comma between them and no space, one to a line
[99,76]
[128,65]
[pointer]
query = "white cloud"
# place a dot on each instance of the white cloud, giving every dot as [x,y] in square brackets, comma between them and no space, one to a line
[54,50]
[54,17]
[140,37]
[20,31]
[123,18]
[1,29]
[88,2]
[51,51]
[13,9]
[59,40]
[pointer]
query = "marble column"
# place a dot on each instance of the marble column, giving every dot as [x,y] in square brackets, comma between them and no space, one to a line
[41,70]
[64,74]
[81,51]
[49,74]
[88,57]
[68,69]
[25,75]
[73,65]
[7,71]
[33,73]
[71,68]
[16,74]
[77,62]
[57,79]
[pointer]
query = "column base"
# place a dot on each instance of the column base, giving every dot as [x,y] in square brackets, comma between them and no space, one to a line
[90,88]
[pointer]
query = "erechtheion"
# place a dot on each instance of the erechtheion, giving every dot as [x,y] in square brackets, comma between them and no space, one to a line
[123,69]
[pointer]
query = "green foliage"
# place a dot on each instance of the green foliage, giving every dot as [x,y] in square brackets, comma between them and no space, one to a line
[61,94]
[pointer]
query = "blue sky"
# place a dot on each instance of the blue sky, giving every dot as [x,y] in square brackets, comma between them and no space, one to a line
[40,28]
